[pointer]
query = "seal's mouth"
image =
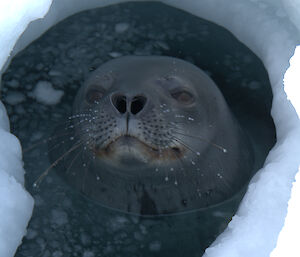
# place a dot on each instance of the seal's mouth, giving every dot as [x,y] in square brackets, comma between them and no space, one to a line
[132,147]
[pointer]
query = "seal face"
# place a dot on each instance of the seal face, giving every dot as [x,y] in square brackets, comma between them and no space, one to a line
[153,135]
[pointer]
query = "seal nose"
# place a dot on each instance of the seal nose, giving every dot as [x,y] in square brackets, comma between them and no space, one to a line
[121,103]
[137,104]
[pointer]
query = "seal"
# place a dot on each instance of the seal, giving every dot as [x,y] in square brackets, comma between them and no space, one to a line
[152,135]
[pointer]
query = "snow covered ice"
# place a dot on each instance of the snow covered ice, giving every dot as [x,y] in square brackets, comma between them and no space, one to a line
[272,34]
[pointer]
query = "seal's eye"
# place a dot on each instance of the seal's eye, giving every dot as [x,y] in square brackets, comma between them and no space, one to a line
[94,95]
[182,96]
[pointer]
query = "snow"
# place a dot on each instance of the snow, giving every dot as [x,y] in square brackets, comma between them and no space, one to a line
[288,241]
[14,213]
[4,122]
[16,204]
[14,17]
[291,80]
[46,94]
[271,29]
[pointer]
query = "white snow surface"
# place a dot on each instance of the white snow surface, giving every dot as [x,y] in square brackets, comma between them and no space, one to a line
[288,241]
[271,29]
[15,203]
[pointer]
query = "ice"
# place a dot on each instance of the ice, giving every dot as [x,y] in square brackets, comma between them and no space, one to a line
[155,246]
[115,54]
[254,85]
[271,30]
[88,254]
[13,83]
[121,27]
[46,94]
[15,98]
[31,234]
[59,217]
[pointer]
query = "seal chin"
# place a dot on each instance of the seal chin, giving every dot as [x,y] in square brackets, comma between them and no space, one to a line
[129,151]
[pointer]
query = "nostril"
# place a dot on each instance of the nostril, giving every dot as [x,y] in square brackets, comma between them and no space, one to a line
[119,101]
[137,104]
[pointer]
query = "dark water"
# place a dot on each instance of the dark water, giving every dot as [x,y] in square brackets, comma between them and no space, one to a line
[64,223]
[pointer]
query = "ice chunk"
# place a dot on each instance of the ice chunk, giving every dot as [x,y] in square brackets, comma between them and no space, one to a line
[121,27]
[14,98]
[46,94]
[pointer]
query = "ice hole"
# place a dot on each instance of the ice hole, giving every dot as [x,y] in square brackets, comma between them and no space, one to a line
[269,29]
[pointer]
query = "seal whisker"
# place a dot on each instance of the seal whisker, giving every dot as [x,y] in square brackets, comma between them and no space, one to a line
[56,136]
[175,154]
[71,138]
[185,145]
[44,141]
[45,173]
[224,150]
[185,173]
[72,162]
[85,166]
[160,149]
[79,115]
[53,147]
[70,119]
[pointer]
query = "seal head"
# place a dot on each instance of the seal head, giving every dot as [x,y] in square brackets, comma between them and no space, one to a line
[153,135]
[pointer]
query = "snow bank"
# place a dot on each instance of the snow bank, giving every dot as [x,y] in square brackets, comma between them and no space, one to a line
[271,29]
[15,203]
